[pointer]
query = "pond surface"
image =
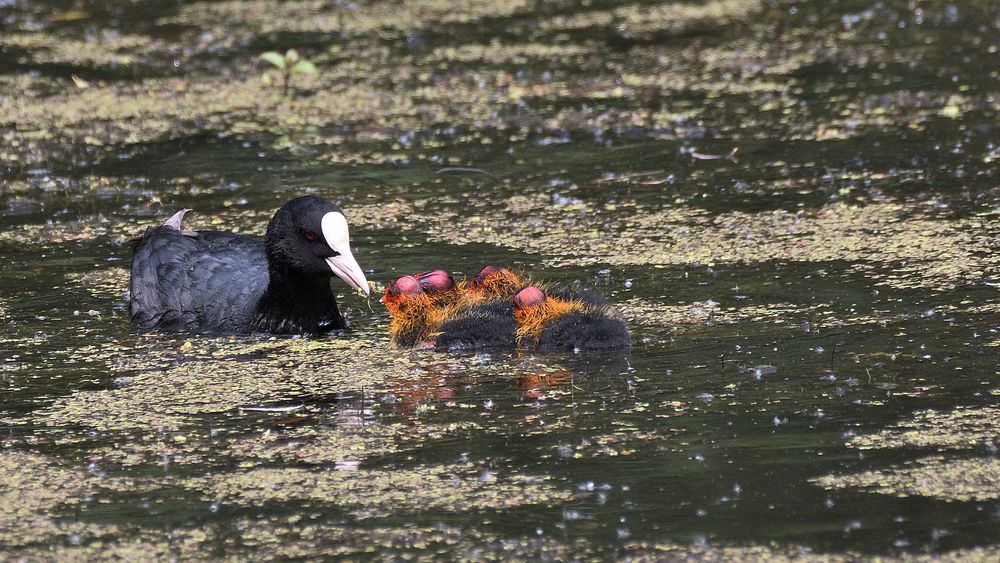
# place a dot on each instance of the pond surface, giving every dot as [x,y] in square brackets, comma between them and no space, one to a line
[794,205]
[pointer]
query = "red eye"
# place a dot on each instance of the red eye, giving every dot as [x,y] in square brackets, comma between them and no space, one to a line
[310,236]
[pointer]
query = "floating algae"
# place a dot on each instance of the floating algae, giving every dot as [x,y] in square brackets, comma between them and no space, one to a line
[278,440]
[170,389]
[637,21]
[316,16]
[110,283]
[34,491]
[878,237]
[956,480]
[383,493]
[965,429]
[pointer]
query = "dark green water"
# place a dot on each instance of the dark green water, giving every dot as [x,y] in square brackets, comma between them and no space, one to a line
[837,278]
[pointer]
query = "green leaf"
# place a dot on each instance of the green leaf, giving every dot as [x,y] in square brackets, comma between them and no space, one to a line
[304,67]
[291,56]
[274,58]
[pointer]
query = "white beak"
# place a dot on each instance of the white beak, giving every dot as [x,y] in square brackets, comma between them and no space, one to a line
[344,265]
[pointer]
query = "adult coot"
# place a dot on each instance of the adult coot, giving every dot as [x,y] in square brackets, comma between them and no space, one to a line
[219,282]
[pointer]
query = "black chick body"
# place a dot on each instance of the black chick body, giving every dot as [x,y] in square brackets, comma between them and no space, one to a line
[584,330]
[489,324]
[496,310]
[492,324]
[551,321]
[226,283]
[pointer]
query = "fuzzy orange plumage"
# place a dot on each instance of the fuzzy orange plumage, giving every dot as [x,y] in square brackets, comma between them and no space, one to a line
[495,309]
[493,282]
[533,309]
[408,304]
[420,304]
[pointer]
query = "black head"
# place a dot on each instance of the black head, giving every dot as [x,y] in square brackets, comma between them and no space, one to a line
[309,236]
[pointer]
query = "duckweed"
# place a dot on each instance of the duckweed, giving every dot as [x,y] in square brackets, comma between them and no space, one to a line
[793,205]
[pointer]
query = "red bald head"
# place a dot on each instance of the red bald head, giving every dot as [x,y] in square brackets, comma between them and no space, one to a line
[528,297]
[494,281]
[406,285]
[436,281]
[487,271]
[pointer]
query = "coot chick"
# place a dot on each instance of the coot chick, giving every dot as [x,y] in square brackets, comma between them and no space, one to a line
[499,282]
[430,309]
[489,324]
[409,307]
[440,288]
[221,282]
[484,317]
[421,304]
[494,281]
[547,322]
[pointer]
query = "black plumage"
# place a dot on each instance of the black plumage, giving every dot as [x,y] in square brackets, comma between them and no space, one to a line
[584,330]
[220,282]
[431,309]
[576,292]
[547,321]
[490,324]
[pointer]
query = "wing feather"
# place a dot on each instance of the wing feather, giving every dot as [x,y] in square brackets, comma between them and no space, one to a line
[205,281]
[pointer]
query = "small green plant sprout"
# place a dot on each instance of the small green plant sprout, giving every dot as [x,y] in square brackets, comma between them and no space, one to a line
[289,64]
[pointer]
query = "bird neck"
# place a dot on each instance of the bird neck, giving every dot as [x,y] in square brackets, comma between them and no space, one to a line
[297,303]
